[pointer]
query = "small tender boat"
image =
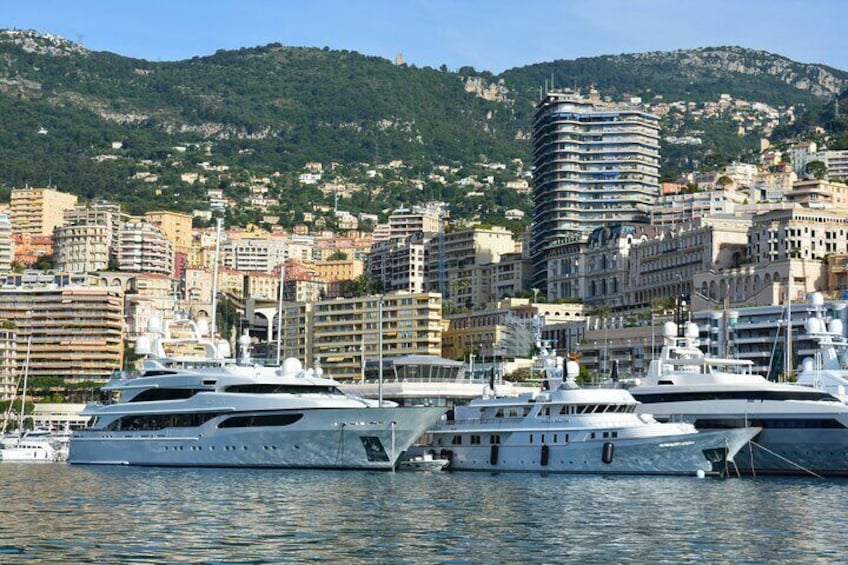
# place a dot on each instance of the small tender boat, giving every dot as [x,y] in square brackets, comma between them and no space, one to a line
[425,462]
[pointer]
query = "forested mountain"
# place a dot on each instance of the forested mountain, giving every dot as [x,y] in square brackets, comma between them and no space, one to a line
[274,108]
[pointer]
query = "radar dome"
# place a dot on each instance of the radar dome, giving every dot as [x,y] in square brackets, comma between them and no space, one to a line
[692,330]
[807,365]
[835,327]
[814,326]
[154,324]
[142,345]
[291,366]
[572,369]
[816,299]
[669,329]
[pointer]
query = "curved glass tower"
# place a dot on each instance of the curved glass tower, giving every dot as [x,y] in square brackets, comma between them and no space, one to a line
[594,164]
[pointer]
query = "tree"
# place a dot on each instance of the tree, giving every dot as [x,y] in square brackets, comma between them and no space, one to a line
[337,255]
[816,169]
[724,181]
[363,285]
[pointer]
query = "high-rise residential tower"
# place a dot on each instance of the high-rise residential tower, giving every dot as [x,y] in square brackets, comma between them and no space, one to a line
[595,163]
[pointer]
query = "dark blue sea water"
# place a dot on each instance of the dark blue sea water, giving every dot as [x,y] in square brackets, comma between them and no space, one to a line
[62,514]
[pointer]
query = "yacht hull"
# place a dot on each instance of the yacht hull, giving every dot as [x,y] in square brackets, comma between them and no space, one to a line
[683,454]
[331,438]
[794,442]
[796,452]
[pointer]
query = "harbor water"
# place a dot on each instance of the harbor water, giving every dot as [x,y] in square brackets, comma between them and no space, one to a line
[55,513]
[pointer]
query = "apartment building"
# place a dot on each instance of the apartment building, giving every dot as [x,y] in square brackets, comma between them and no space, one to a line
[253,253]
[837,164]
[594,164]
[565,280]
[82,248]
[37,211]
[819,194]
[339,270]
[89,238]
[8,363]
[502,330]
[7,244]
[798,232]
[175,226]
[76,331]
[672,210]
[346,331]
[507,277]
[664,266]
[405,222]
[456,263]
[143,248]
[399,263]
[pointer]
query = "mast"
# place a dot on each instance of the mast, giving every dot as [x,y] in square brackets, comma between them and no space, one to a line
[23,392]
[380,349]
[280,312]
[787,369]
[215,278]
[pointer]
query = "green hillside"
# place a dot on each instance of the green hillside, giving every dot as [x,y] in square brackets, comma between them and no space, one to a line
[274,108]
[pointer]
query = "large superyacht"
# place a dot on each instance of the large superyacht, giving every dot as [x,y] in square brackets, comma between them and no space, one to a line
[194,406]
[804,430]
[568,429]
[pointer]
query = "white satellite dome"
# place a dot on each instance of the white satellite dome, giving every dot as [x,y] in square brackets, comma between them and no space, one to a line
[291,367]
[142,345]
[813,326]
[816,299]
[692,330]
[669,329]
[835,326]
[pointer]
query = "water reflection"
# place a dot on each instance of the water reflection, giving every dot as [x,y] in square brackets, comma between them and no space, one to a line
[56,513]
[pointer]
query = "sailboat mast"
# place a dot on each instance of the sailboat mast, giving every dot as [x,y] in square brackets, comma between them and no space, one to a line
[788,364]
[280,312]
[23,392]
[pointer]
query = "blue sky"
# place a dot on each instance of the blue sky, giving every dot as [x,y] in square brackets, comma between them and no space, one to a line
[488,34]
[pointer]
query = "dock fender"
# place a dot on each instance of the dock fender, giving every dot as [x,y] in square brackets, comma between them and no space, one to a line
[608,452]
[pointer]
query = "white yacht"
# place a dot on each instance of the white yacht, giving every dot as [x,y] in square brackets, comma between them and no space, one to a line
[804,431]
[31,450]
[193,407]
[567,429]
[828,369]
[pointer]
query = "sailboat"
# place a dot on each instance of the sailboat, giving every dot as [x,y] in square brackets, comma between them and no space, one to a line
[32,446]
